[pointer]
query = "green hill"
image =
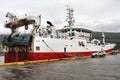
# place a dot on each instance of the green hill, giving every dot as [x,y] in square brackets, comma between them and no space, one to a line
[110,37]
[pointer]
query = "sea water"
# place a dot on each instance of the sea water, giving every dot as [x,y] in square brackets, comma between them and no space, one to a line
[1,59]
[107,68]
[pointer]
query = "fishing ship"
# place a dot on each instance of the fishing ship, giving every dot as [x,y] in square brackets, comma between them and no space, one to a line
[45,43]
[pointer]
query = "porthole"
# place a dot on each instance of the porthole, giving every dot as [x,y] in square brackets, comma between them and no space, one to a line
[37,47]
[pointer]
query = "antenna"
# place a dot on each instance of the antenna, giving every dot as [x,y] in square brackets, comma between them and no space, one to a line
[103,37]
[39,20]
[70,19]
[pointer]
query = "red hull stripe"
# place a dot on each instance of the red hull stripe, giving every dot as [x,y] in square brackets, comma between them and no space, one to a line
[17,57]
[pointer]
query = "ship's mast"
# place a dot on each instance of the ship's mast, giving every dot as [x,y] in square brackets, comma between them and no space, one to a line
[103,37]
[70,18]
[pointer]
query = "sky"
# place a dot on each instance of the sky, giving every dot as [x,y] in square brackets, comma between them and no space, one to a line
[94,14]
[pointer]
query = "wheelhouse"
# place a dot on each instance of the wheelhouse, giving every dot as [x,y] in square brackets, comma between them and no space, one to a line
[74,33]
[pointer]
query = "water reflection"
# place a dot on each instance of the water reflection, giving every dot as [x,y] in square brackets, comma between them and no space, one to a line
[85,69]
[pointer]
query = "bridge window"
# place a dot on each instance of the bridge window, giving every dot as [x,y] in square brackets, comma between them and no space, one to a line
[78,30]
[73,29]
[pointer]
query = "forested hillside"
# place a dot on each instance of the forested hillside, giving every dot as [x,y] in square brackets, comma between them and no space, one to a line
[110,37]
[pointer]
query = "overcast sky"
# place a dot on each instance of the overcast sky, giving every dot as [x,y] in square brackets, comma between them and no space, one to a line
[92,13]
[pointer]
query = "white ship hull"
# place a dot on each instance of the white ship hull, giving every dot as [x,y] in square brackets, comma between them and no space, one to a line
[58,45]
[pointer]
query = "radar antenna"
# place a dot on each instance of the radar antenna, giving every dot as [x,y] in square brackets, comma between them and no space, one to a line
[103,37]
[70,18]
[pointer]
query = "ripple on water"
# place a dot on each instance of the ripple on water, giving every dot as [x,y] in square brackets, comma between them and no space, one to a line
[107,68]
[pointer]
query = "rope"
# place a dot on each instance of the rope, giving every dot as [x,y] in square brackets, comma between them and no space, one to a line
[54,51]
[48,46]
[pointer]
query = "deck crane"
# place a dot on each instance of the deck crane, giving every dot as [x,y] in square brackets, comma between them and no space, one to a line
[17,47]
[15,22]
